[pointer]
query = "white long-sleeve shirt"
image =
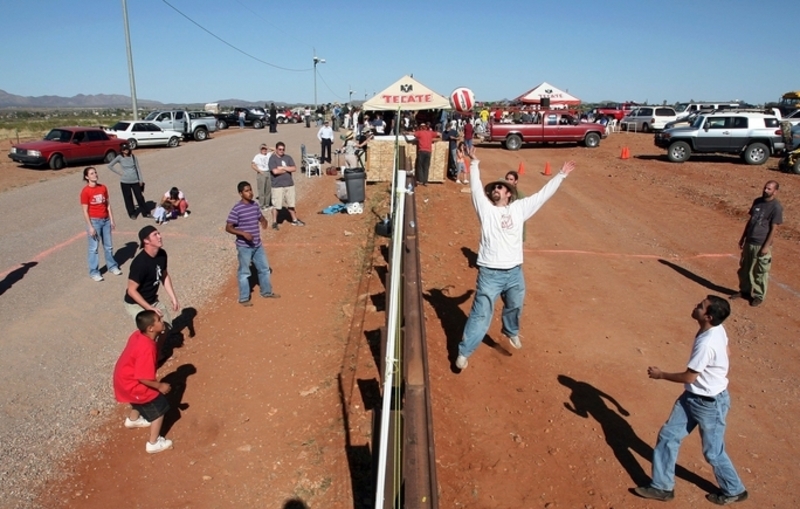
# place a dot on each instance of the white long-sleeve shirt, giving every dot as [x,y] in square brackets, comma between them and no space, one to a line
[501,227]
[325,132]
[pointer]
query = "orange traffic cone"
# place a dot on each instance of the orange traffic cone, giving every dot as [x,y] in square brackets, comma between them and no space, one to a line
[547,172]
[521,169]
[625,153]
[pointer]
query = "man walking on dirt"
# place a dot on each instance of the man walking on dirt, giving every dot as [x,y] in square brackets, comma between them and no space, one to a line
[705,403]
[502,217]
[766,214]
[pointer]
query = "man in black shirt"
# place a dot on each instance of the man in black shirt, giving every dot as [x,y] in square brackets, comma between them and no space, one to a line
[148,271]
[766,214]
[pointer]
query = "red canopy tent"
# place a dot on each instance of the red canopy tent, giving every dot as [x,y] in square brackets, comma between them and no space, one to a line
[556,96]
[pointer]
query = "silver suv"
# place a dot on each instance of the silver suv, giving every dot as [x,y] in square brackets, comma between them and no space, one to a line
[754,135]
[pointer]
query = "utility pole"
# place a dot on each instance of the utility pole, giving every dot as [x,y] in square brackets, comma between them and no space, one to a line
[317,60]
[131,77]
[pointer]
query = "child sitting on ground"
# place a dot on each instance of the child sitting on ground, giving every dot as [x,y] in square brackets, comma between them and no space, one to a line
[135,381]
[172,205]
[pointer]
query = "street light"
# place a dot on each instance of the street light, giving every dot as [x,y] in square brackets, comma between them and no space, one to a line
[317,60]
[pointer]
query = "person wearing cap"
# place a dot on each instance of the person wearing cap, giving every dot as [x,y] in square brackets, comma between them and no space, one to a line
[260,165]
[325,137]
[148,273]
[351,148]
[501,217]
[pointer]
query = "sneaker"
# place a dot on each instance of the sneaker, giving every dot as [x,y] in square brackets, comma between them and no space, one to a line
[141,422]
[722,499]
[97,277]
[275,226]
[186,214]
[655,494]
[162,444]
[116,271]
[466,181]
[458,181]
[756,302]
[272,295]
[461,362]
[740,295]
[515,342]
[246,303]
[132,216]
[297,222]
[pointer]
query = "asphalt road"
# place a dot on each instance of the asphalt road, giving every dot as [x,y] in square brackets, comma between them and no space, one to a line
[63,331]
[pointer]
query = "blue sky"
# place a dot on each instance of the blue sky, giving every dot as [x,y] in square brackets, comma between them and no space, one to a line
[597,50]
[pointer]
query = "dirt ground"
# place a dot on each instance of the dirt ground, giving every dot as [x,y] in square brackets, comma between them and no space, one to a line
[273,403]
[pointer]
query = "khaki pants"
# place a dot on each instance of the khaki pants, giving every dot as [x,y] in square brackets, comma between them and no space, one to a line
[135,309]
[754,271]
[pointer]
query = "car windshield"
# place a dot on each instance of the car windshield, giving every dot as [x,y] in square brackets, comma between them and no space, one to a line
[120,126]
[151,116]
[59,135]
[681,107]
[698,122]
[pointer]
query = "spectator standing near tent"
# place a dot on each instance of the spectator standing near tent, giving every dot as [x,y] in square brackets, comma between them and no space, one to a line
[500,255]
[425,137]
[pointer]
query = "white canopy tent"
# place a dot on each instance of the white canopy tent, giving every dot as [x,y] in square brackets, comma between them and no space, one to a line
[557,96]
[407,94]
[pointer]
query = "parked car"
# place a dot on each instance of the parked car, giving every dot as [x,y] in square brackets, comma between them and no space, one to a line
[68,145]
[549,126]
[686,109]
[648,118]
[754,135]
[141,132]
[193,124]
[255,117]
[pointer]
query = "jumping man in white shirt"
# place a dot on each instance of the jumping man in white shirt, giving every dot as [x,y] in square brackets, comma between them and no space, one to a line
[500,255]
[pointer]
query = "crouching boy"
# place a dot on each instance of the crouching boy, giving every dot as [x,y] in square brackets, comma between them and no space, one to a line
[135,381]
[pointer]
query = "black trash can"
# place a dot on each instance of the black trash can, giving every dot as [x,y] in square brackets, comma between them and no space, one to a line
[355,182]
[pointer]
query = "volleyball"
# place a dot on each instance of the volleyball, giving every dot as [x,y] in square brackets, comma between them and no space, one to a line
[462,99]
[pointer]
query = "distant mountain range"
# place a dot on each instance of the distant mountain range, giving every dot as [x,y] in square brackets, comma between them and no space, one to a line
[104,101]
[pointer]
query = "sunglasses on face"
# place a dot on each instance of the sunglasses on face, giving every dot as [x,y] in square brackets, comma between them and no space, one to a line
[498,186]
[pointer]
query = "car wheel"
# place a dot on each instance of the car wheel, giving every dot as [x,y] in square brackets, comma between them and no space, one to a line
[257,124]
[756,153]
[57,162]
[281,120]
[592,140]
[174,141]
[200,134]
[222,124]
[796,167]
[110,155]
[646,128]
[679,152]
[513,142]
[133,143]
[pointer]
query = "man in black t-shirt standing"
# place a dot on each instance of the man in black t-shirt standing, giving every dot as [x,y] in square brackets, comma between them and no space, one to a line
[148,272]
[766,214]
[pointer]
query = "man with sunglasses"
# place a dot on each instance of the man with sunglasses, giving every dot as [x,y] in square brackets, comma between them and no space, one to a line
[281,166]
[502,217]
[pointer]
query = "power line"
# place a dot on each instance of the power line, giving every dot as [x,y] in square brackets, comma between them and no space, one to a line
[201,27]
[329,88]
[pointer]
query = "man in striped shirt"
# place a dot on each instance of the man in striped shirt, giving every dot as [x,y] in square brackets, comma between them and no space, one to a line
[243,221]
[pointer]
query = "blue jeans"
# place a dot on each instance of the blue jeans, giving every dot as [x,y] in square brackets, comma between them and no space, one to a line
[506,283]
[689,412]
[103,229]
[258,257]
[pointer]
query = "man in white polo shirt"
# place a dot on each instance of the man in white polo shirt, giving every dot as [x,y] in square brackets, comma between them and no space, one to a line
[705,403]
[260,165]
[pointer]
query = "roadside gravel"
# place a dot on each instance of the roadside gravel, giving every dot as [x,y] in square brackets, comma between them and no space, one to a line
[63,331]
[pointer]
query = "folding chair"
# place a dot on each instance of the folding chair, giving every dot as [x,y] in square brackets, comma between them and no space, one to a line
[310,162]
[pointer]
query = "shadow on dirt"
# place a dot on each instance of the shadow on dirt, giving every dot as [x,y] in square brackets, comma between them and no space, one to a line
[450,315]
[177,380]
[359,457]
[126,253]
[697,279]
[471,256]
[587,401]
[16,275]
[295,503]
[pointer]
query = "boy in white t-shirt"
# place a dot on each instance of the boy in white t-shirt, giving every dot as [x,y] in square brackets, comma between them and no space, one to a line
[705,403]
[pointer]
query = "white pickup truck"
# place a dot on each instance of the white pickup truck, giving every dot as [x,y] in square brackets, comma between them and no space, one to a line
[193,124]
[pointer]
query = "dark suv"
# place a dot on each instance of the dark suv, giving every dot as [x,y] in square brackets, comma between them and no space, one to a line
[754,135]
[68,145]
[255,117]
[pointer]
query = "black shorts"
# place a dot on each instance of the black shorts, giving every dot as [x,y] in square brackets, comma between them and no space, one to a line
[152,410]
